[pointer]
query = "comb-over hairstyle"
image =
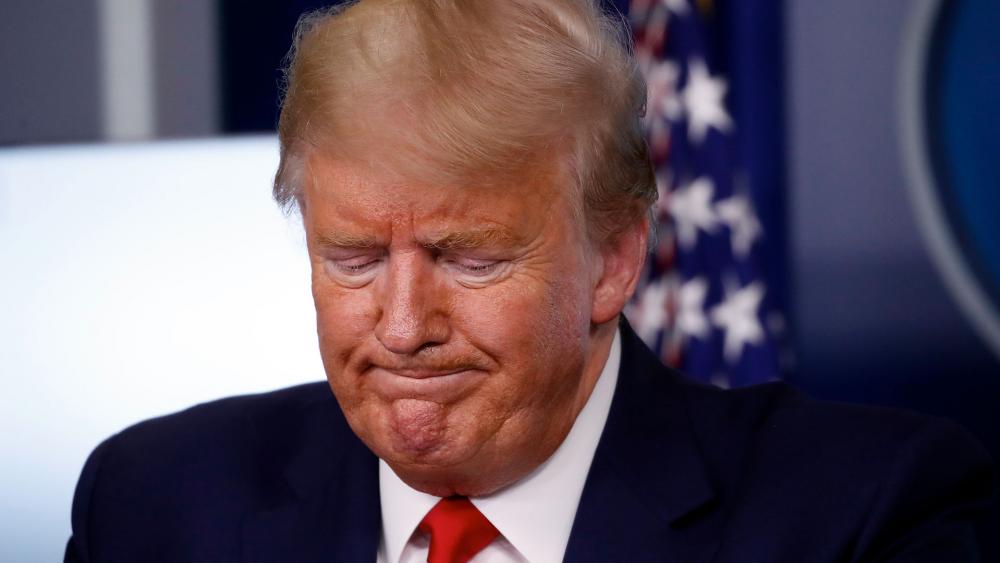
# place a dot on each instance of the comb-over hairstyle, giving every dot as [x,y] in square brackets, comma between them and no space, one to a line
[472,92]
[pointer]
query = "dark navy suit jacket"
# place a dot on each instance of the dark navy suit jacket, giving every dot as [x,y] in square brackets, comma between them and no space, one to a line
[683,472]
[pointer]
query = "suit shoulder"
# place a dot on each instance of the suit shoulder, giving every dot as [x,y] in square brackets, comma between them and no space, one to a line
[907,460]
[217,420]
[194,471]
[775,430]
[875,433]
[742,411]
[226,437]
[878,480]
[778,411]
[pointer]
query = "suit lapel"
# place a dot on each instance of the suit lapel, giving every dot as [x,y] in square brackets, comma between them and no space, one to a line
[648,495]
[328,509]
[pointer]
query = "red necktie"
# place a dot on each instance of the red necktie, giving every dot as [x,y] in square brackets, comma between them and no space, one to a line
[458,531]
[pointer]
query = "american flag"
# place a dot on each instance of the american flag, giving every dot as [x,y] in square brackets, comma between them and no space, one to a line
[703,303]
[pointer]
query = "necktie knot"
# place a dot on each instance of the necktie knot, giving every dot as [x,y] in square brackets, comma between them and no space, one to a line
[457,529]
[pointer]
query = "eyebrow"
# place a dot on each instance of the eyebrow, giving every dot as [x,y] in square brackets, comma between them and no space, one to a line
[472,239]
[450,241]
[344,240]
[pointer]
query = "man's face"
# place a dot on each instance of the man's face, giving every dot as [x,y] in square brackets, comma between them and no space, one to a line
[455,322]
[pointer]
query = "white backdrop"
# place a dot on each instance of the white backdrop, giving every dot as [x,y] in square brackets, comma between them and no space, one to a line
[135,280]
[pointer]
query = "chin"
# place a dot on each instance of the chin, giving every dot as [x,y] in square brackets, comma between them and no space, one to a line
[472,469]
[448,481]
[442,465]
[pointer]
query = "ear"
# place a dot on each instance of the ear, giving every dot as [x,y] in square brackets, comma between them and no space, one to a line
[622,259]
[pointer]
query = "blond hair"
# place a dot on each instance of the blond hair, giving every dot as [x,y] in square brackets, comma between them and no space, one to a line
[490,91]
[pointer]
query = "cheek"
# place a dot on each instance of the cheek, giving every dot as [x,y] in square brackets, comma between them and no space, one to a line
[530,328]
[343,320]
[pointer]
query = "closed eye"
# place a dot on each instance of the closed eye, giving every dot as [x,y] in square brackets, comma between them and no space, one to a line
[355,266]
[475,273]
[353,271]
[478,267]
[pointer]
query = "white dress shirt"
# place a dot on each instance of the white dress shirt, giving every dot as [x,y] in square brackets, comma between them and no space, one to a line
[534,515]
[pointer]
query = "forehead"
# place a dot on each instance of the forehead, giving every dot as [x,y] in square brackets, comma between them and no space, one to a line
[342,193]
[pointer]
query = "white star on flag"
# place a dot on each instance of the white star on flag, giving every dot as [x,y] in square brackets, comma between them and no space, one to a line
[738,214]
[737,316]
[665,105]
[691,319]
[691,208]
[703,100]
[652,309]
[662,80]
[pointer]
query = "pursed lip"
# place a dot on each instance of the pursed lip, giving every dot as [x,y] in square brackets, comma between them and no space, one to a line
[418,373]
[437,385]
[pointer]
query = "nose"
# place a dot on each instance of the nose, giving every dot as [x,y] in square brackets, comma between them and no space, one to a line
[412,309]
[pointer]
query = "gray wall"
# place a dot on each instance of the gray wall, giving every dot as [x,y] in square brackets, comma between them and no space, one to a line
[50,69]
[186,55]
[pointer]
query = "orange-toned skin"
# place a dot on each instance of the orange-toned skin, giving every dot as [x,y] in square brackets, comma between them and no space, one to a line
[462,328]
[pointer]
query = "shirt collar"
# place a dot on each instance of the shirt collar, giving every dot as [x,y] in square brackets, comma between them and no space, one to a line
[534,514]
